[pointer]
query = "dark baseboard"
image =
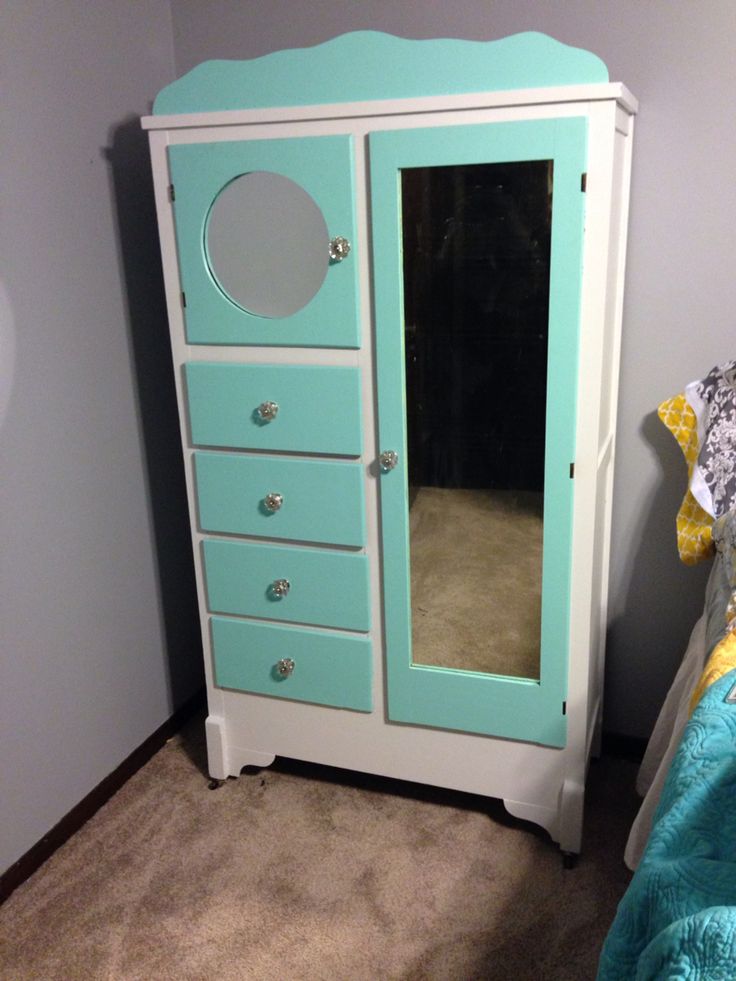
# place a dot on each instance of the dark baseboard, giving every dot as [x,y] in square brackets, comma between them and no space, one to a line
[623,747]
[89,805]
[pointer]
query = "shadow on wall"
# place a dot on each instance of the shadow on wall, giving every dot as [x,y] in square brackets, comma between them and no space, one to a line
[7,351]
[648,634]
[140,261]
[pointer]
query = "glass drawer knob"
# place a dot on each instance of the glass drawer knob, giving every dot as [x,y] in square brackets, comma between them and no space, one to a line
[339,248]
[280,587]
[273,501]
[388,460]
[285,666]
[268,411]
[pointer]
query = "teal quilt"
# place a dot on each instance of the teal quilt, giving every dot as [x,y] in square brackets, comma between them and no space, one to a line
[677,919]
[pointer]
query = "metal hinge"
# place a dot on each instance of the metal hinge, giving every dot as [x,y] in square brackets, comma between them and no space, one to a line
[172,193]
[183,298]
[583,182]
[572,471]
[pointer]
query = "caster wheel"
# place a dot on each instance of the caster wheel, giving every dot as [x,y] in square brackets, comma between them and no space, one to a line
[215,784]
[569,860]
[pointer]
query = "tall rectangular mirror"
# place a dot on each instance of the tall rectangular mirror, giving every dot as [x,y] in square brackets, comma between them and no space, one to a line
[476,270]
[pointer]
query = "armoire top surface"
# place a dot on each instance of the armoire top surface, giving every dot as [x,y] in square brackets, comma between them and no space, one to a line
[370,65]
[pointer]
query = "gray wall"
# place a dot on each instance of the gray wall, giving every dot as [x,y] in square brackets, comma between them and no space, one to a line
[86,623]
[677,58]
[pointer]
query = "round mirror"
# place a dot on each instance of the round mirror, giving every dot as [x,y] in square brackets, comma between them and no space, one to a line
[267,244]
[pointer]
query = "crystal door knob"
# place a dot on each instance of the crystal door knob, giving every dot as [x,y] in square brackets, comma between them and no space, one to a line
[339,248]
[388,460]
[285,666]
[280,587]
[273,501]
[268,411]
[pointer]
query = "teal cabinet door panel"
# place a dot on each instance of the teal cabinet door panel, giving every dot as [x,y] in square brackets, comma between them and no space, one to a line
[328,668]
[327,588]
[317,409]
[320,501]
[466,700]
[321,166]
[473,702]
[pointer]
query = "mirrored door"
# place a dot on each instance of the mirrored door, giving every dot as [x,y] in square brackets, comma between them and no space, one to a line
[477,250]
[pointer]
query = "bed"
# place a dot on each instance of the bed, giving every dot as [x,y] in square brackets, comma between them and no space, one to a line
[678,916]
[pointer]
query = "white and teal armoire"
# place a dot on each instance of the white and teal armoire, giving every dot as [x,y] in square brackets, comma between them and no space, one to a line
[394,273]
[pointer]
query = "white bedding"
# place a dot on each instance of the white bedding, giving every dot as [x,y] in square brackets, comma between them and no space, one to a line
[665,739]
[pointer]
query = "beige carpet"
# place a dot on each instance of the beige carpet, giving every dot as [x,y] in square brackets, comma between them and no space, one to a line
[476,575]
[301,874]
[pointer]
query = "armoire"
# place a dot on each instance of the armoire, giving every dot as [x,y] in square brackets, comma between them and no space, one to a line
[394,276]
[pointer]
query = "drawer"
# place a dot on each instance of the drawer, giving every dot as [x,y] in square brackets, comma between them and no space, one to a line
[329,668]
[322,500]
[325,588]
[319,408]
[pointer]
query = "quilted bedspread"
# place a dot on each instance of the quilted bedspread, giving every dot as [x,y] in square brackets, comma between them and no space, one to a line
[677,919]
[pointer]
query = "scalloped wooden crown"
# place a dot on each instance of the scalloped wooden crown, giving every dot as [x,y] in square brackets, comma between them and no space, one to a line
[367,65]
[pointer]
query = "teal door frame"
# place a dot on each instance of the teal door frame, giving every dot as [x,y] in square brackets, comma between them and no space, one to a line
[530,710]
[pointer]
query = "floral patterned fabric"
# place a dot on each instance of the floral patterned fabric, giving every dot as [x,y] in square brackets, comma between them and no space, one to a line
[694,542]
[703,421]
[713,401]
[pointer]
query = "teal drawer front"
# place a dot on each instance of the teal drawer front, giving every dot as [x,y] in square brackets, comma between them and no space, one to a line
[322,501]
[329,668]
[318,407]
[325,588]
